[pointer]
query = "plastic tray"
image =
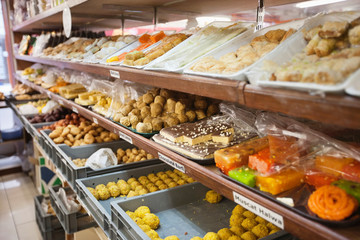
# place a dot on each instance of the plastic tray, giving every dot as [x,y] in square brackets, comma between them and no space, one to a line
[70,221]
[73,172]
[100,210]
[257,75]
[32,129]
[115,234]
[46,222]
[237,42]
[167,63]
[48,145]
[183,205]
[302,194]
[53,235]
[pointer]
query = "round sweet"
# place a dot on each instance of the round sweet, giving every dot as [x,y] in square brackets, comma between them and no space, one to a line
[109,184]
[121,182]
[236,220]
[211,236]
[172,184]
[145,227]
[181,182]
[224,233]
[249,223]
[100,186]
[260,220]
[152,220]
[271,226]
[213,197]
[104,193]
[114,190]
[260,230]
[132,215]
[190,180]
[248,236]
[173,237]
[163,186]
[130,180]
[132,194]
[238,230]
[153,189]
[94,193]
[238,210]
[234,237]
[152,234]
[134,184]
[139,221]
[249,214]
[124,188]
[196,238]
[141,211]
[143,191]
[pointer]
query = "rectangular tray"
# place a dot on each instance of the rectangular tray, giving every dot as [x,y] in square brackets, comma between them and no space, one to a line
[48,145]
[100,210]
[72,172]
[115,234]
[183,205]
[33,129]
[58,234]
[46,222]
[70,221]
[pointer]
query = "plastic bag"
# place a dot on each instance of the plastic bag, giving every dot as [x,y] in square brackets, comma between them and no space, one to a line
[242,119]
[50,105]
[69,201]
[28,109]
[102,158]
[294,145]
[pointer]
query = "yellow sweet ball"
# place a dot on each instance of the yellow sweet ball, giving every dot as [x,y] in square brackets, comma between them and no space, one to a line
[234,237]
[94,193]
[248,236]
[236,220]
[213,197]
[141,211]
[139,221]
[104,193]
[145,227]
[238,230]
[249,214]
[114,190]
[100,186]
[224,233]
[173,237]
[152,234]
[260,230]
[196,238]
[249,223]
[109,184]
[152,220]
[211,236]
[238,210]
[131,214]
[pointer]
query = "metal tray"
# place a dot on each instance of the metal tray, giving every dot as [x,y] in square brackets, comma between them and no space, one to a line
[46,222]
[70,221]
[100,210]
[72,172]
[182,212]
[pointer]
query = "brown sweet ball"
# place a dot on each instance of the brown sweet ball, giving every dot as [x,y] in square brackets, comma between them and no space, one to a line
[126,109]
[200,104]
[160,100]
[148,98]
[191,115]
[163,186]
[145,111]
[134,120]
[212,109]
[157,124]
[179,108]
[148,119]
[125,121]
[141,105]
[171,121]
[200,114]
[170,105]
[135,112]
[182,118]
[144,127]
[156,109]
[165,93]
[154,91]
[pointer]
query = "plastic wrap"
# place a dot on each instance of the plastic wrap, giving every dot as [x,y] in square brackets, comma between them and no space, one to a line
[261,71]
[102,158]
[294,145]
[69,201]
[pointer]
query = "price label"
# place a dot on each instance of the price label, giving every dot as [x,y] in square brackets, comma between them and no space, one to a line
[75,110]
[114,74]
[61,102]
[172,163]
[263,212]
[125,137]
[95,120]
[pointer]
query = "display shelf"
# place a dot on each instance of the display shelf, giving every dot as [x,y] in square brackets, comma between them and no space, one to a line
[322,108]
[210,177]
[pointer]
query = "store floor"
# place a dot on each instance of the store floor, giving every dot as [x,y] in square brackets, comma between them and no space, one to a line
[17,212]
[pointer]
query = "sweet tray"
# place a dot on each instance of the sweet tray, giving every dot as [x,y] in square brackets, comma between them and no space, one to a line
[146,135]
[300,196]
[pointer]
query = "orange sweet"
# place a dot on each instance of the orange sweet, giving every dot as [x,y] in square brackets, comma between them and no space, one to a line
[332,203]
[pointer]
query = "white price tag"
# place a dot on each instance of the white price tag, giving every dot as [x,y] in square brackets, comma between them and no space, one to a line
[75,110]
[125,137]
[61,102]
[263,212]
[95,120]
[114,74]
[172,163]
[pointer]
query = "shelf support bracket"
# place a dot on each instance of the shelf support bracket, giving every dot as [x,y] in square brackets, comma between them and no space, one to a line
[260,15]
[155,19]
[122,24]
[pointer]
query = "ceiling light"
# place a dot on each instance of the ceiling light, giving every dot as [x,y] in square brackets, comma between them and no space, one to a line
[316,3]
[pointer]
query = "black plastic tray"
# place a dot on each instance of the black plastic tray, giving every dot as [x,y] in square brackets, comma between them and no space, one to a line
[302,193]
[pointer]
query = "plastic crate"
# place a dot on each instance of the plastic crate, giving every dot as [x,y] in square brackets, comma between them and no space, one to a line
[46,222]
[100,210]
[48,144]
[115,234]
[73,172]
[183,205]
[71,221]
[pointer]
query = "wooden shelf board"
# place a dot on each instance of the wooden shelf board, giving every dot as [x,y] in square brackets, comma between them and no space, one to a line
[210,177]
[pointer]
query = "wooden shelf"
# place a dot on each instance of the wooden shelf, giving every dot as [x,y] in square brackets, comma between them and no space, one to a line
[211,177]
[326,109]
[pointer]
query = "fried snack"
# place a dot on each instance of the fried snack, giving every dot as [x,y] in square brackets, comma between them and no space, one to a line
[354,35]
[144,127]
[152,220]
[333,29]
[213,197]
[275,36]
[325,47]
[332,203]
